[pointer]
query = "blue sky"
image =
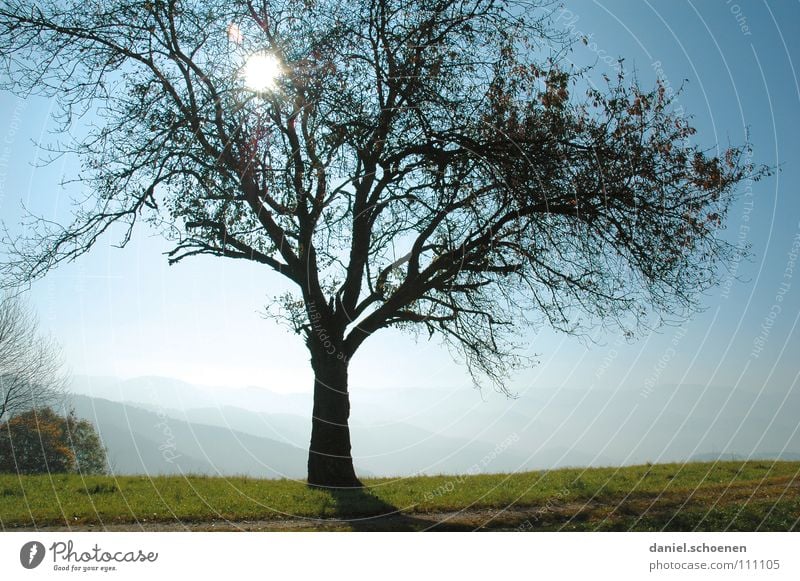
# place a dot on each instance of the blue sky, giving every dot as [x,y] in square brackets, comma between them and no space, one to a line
[126,313]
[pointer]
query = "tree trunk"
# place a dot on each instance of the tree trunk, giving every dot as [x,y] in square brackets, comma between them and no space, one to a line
[330,463]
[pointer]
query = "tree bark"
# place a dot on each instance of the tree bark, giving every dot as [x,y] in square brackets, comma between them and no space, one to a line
[330,463]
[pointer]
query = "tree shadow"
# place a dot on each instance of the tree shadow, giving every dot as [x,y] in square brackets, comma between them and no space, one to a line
[361,510]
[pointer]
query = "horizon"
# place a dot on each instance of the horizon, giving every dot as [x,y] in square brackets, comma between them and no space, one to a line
[304,389]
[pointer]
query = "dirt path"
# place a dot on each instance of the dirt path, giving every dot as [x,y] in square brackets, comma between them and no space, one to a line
[515,518]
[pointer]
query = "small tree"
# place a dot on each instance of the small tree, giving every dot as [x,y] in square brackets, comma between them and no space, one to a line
[35,442]
[421,164]
[85,443]
[41,441]
[31,369]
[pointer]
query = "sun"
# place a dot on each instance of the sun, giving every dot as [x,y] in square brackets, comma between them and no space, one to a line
[261,72]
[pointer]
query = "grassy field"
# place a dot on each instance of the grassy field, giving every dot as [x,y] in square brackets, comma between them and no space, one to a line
[743,496]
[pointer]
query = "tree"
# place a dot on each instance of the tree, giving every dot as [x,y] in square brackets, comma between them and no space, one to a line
[423,164]
[42,442]
[34,442]
[86,445]
[30,365]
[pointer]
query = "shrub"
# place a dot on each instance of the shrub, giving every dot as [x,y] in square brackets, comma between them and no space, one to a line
[41,441]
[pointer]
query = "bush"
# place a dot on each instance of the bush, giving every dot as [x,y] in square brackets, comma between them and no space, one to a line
[41,441]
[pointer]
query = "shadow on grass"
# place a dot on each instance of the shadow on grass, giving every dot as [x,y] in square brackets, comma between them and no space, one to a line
[361,510]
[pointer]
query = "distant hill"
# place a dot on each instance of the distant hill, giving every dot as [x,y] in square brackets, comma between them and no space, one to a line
[143,442]
[444,431]
[166,392]
[226,442]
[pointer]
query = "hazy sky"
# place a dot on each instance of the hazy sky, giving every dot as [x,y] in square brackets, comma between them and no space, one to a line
[126,313]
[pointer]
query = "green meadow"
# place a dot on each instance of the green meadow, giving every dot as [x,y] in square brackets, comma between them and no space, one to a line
[737,496]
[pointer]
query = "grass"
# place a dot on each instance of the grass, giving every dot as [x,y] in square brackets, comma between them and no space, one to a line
[745,496]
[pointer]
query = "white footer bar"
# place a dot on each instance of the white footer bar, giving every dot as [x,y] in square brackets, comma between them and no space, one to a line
[407,556]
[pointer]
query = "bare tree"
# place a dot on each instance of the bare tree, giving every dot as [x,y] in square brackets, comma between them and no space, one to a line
[31,367]
[424,164]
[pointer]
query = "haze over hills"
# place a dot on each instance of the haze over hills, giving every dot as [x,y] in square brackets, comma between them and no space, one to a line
[414,431]
[167,442]
[144,442]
